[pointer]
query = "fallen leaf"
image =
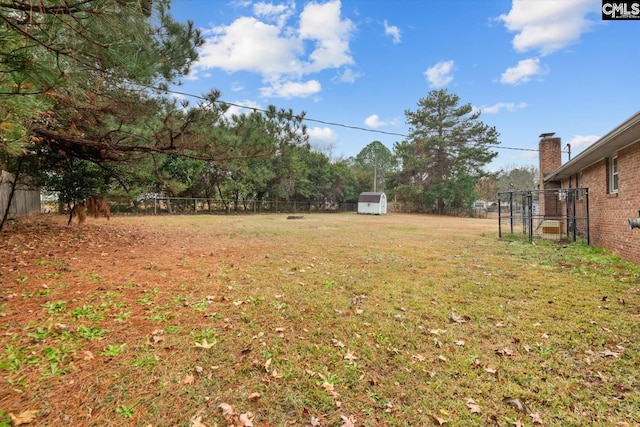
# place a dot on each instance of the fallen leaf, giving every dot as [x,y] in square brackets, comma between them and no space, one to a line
[516,403]
[205,344]
[254,396]
[460,343]
[337,343]
[419,357]
[535,418]
[246,419]
[188,379]
[456,318]
[63,327]
[437,331]
[328,387]
[25,417]
[197,422]
[439,420]
[505,352]
[473,406]
[347,421]
[349,356]
[227,410]
[609,353]
[490,370]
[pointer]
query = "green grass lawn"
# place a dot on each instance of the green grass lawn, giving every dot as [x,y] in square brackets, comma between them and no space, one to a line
[329,320]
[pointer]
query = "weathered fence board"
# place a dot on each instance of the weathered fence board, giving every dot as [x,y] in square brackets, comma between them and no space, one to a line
[25,201]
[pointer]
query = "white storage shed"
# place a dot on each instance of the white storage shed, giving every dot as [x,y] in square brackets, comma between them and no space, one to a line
[372,203]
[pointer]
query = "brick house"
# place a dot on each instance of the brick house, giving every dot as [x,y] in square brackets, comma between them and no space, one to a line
[610,170]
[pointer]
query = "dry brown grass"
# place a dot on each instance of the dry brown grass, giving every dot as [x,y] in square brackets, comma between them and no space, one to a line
[385,321]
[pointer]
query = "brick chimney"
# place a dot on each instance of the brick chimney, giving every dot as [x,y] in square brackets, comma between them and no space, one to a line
[550,159]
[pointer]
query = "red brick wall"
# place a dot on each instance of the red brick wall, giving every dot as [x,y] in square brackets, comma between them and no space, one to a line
[550,158]
[608,213]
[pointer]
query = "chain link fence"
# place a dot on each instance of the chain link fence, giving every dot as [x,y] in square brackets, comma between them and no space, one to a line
[189,205]
[560,214]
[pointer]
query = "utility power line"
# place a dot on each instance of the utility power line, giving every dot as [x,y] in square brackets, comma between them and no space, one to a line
[342,125]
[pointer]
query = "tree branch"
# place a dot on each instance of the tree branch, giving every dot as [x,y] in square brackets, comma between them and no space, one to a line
[49,10]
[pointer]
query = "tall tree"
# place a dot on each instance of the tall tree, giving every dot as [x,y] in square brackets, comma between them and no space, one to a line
[89,63]
[85,79]
[445,152]
[376,160]
[518,178]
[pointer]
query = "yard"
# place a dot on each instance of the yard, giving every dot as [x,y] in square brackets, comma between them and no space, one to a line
[328,320]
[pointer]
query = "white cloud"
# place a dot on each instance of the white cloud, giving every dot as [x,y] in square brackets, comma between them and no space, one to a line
[266,45]
[580,142]
[236,110]
[322,23]
[193,75]
[250,45]
[322,134]
[523,72]
[393,31]
[236,86]
[279,13]
[508,106]
[374,121]
[348,76]
[321,138]
[548,26]
[291,89]
[440,74]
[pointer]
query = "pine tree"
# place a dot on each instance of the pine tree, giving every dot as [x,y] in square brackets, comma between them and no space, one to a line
[444,154]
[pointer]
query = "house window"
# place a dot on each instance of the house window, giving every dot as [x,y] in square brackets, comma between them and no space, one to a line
[613,175]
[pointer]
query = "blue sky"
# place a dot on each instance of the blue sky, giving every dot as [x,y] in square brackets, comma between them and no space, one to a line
[530,66]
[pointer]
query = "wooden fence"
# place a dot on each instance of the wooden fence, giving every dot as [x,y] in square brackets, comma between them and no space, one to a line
[26,201]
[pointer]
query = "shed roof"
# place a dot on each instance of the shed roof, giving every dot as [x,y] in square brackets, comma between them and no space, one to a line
[370,197]
[622,136]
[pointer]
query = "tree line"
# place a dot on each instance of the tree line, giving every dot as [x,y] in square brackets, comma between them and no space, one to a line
[85,109]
